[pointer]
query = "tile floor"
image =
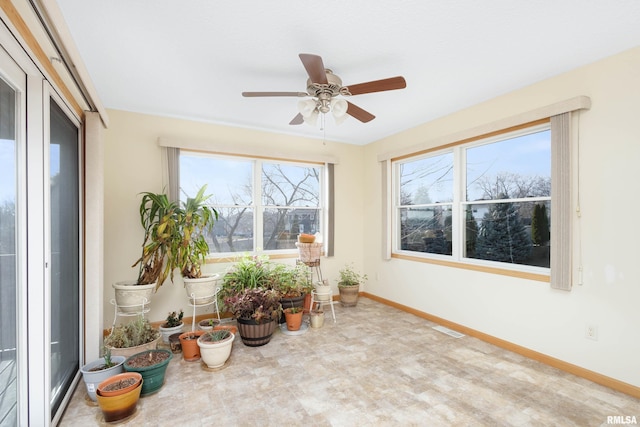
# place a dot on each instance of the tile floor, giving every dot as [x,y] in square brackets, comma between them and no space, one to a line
[377,366]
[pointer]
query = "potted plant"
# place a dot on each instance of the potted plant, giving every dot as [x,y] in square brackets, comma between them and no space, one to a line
[207,324]
[118,396]
[119,384]
[132,338]
[316,318]
[189,345]
[257,312]
[248,295]
[152,365]
[215,347]
[293,316]
[190,248]
[291,283]
[95,372]
[349,285]
[172,325]
[157,216]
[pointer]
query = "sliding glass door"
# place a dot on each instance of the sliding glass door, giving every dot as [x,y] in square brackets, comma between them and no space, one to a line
[8,254]
[64,201]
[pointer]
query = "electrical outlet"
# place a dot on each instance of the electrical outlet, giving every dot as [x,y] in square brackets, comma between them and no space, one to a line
[591,332]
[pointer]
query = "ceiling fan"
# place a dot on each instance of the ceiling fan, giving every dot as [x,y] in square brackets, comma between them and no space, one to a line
[324,87]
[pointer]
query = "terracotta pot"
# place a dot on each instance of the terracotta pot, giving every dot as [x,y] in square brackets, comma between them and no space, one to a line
[93,378]
[294,320]
[307,303]
[153,375]
[105,388]
[291,302]
[349,295]
[256,334]
[190,349]
[231,328]
[215,353]
[116,408]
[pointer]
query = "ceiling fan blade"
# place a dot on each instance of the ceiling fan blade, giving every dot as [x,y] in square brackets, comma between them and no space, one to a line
[315,68]
[391,83]
[297,120]
[358,113]
[256,94]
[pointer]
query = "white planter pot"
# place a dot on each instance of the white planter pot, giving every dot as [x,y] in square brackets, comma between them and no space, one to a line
[132,298]
[317,318]
[323,292]
[202,290]
[93,378]
[130,351]
[167,332]
[215,354]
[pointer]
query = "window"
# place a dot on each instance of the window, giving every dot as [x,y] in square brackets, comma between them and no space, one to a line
[262,204]
[486,201]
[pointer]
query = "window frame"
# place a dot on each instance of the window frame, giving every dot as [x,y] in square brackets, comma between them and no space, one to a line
[458,258]
[257,205]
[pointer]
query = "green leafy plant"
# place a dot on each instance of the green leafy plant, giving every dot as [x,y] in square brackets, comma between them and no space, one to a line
[190,248]
[249,272]
[350,277]
[108,363]
[158,218]
[173,319]
[132,334]
[215,336]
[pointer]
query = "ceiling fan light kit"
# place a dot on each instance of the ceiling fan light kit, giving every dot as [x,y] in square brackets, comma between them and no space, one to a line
[324,89]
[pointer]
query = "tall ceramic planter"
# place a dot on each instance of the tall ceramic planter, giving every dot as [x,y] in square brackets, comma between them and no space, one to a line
[202,290]
[93,378]
[153,374]
[132,298]
[256,334]
[215,354]
[119,384]
[167,332]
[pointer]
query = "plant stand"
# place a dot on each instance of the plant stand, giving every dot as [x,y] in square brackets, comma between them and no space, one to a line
[129,310]
[192,303]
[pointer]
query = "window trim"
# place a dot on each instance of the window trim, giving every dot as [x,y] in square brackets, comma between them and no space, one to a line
[325,215]
[456,259]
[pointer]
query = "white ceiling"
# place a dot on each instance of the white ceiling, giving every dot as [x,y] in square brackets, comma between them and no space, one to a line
[192,59]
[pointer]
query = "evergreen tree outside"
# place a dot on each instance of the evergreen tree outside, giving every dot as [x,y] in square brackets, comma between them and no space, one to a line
[503,236]
[471,233]
[540,225]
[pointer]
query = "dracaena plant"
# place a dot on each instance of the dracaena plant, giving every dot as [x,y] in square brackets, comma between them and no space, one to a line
[158,218]
[190,248]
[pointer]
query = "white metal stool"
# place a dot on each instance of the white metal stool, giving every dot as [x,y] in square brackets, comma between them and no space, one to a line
[323,298]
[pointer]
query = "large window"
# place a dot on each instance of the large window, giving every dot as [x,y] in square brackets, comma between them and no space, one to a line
[262,204]
[485,201]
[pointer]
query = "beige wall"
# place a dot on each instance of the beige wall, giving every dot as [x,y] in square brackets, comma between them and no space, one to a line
[133,164]
[526,312]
